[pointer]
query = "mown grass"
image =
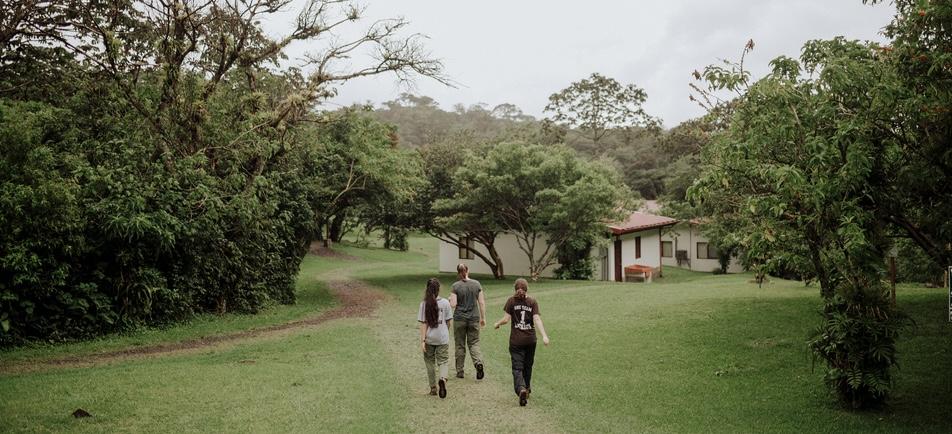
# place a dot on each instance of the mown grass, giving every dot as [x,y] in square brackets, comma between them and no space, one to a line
[692,352]
[306,382]
[700,352]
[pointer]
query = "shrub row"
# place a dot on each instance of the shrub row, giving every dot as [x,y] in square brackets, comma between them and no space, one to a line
[99,235]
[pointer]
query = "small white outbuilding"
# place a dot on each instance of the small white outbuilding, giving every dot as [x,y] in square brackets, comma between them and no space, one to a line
[640,246]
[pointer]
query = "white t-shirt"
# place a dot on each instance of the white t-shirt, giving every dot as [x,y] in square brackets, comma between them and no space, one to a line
[439,335]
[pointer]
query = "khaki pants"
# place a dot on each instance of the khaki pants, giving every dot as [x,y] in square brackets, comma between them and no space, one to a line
[466,334]
[436,356]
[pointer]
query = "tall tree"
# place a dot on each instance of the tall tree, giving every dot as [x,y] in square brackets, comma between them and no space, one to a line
[807,174]
[911,190]
[599,105]
[188,176]
[359,165]
[190,48]
[545,196]
[510,112]
[455,223]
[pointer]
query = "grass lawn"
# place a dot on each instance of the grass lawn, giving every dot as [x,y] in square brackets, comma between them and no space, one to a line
[691,352]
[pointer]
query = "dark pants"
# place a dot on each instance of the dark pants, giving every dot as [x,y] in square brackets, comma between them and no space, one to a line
[523,356]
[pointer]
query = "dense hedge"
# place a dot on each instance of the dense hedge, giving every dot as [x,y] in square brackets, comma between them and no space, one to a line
[99,235]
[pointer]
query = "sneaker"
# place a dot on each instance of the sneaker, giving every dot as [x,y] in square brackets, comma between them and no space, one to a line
[442,388]
[459,374]
[523,397]
[433,391]
[479,371]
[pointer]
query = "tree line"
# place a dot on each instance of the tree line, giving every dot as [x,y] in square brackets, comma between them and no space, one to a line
[597,116]
[160,159]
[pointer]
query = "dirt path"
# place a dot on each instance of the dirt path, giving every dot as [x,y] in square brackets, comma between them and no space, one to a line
[317,249]
[356,300]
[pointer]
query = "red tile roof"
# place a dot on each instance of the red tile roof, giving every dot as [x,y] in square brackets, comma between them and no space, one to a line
[639,221]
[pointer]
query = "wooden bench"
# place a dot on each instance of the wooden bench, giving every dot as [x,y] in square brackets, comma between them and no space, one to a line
[638,273]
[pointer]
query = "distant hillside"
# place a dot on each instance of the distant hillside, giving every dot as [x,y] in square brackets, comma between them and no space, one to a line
[654,164]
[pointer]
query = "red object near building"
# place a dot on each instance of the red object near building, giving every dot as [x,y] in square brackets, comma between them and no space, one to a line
[636,272]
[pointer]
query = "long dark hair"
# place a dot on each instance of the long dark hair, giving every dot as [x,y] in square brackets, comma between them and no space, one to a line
[521,286]
[431,311]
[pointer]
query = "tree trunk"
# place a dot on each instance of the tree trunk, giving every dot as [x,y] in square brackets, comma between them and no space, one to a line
[928,244]
[533,264]
[498,271]
[334,231]
[488,240]
[815,244]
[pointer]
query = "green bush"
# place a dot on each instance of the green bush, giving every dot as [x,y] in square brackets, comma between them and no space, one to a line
[575,260]
[100,235]
[171,184]
[913,265]
[398,239]
[43,291]
[857,340]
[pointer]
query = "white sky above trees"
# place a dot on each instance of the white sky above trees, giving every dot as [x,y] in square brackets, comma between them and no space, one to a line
[522,51]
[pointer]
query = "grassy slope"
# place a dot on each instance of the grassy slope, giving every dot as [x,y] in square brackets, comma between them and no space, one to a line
[692,352]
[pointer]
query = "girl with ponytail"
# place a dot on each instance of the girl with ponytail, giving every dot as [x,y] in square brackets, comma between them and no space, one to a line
[524,313]
[434,317]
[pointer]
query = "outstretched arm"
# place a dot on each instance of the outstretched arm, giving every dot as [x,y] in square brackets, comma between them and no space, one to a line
[482,309]
[537,320]
[504,320]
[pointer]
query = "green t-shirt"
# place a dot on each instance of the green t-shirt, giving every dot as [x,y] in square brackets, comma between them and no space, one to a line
[467,297]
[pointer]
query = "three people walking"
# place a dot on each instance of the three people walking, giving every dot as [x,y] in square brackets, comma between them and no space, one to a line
[469,301]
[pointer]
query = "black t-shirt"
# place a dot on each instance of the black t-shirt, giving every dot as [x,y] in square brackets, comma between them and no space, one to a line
[522,331]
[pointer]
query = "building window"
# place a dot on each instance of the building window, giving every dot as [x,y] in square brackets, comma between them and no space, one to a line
[706,251]
[464,252]
[637,247]
[667,249]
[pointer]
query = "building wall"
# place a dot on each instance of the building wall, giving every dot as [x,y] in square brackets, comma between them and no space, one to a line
[650,251]
[601,257]
[515,261]
[685,236]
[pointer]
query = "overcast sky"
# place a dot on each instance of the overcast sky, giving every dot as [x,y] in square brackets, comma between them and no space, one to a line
[522,51]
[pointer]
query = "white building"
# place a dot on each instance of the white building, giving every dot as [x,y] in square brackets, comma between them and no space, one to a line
[637,241]
[634,242]
[515,262]
[684,246]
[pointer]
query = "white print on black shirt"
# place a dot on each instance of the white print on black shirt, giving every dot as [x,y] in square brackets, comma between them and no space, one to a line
[521,311]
